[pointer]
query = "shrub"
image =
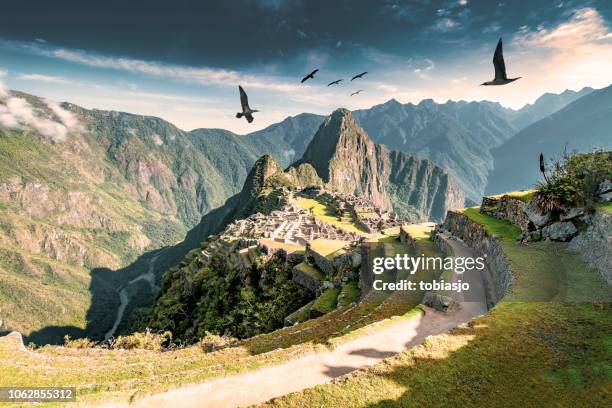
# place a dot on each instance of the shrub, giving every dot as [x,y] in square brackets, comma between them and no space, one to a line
[78,343]
[212,342]
[573,181]
[144,340]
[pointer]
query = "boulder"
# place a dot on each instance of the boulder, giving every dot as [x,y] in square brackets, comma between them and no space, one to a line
[571,214]
[534,216]
[559,231]
[604,193]
[439,302]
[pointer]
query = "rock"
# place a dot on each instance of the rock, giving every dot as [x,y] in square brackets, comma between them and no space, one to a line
[14,340]
[355,259]
[571,214]
[559,231]
[604,193]
[605,187]
[439,302]
[537,219]
[327,285]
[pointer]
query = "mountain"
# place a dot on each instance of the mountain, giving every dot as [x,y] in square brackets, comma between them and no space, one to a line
[545,105]
[348,161]
[457,136]
[581,126]
[84,193]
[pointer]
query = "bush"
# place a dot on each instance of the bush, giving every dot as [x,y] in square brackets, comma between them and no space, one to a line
[78,343]
[144,340]
[212,342]
[573,181]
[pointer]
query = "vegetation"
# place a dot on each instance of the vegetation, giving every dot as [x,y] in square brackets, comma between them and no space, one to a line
[573,181]
[220,299]
[327,301]
[350,293]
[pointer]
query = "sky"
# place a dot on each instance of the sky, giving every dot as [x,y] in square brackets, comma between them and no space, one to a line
[183,60]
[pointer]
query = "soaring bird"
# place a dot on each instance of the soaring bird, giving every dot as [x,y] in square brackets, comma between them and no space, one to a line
[500,68]
[310,76]
[247,112]
[336,82]
[356,92]
[359,75]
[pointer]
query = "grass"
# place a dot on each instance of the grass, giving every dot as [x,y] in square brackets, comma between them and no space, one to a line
[325,247]
[551,351]
[606,207]
[524,195]
[309,270]
[351,293]
[325,213]
[502,229]
[418,231]
[327,301]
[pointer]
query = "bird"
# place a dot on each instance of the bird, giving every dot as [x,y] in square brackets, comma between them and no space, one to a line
[359,75]
[500,68]
[336,82]
[356,92]
[247,112]
[310,76]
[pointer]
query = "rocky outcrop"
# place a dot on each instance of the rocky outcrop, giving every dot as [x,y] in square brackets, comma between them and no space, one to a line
[484,245]
[595,244]
[348,161]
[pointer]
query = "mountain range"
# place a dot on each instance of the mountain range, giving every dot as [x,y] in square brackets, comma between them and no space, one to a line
[122,184]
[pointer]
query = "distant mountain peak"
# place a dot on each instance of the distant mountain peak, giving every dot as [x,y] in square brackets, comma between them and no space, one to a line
[348,161]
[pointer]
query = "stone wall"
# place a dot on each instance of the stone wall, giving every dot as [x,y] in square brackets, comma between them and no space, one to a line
[407,239]
[506,208]
[484,245]
[595,243]
[306,280]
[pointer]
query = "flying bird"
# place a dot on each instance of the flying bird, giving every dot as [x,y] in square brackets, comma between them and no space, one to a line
[310,76]
[247,112]
[500,68]
[336,82]
[356,92]
[359,75]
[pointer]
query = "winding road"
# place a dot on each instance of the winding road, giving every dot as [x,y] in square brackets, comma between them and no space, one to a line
[264,384]
[124,296]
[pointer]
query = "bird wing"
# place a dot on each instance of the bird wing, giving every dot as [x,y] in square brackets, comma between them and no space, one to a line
[313,72]
[498,62]
[244,99]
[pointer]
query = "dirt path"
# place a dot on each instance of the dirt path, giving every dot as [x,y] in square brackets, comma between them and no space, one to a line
[124,297]
[295,375]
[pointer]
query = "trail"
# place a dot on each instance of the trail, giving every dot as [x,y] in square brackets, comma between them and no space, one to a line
[124,297]
[264,384]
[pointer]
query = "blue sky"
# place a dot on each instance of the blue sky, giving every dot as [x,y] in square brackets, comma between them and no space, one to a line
[183,61]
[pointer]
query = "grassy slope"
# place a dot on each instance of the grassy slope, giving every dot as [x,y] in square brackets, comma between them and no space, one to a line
[103,374]
[523,353]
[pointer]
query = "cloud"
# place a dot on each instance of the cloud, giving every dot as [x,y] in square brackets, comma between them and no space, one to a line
[198,75]
[17,113]
[463,2]
[44,78]
[446,24]
[577,50]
